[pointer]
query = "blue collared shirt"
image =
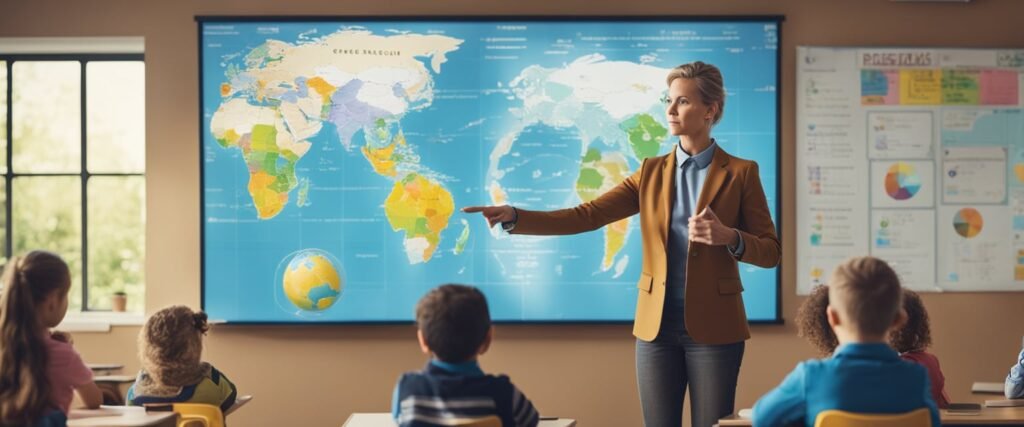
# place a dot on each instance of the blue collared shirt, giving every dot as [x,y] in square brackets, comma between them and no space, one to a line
[691,172]
[859,377]
[1015,380]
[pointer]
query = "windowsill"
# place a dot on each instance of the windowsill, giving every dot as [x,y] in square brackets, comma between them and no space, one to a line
[98,321]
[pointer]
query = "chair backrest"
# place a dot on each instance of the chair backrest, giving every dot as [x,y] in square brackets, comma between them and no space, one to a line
[834,418]
[191,414]
[489,421]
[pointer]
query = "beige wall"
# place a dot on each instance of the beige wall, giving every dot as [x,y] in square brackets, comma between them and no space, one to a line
[316,376]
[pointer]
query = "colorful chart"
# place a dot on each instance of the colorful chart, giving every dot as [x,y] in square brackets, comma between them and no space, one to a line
[902,181]
[968,222]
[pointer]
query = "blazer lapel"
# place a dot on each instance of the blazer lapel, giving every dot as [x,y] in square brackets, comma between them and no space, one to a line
[717,174]
[668,175]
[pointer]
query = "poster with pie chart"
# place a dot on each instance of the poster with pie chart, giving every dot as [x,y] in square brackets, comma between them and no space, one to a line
[968,222]
[976,248]
[902,184]
[902,181]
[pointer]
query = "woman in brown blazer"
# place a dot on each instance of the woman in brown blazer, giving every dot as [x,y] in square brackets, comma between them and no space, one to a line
[702,211]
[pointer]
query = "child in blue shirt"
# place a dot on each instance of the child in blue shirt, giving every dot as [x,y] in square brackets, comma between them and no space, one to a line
[454,327]
[1015,380]
[864,375]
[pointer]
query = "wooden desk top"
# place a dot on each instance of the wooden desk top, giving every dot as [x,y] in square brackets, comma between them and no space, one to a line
[988,416]
[118,416]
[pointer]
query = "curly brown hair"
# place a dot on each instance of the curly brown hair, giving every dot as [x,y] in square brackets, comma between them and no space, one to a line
[171,345]
[915,335]
[812,322]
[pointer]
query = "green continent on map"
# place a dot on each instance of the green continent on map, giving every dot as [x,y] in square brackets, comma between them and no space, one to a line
[271,171]
[460,242]
[645,135]
[421,208]
[600,172]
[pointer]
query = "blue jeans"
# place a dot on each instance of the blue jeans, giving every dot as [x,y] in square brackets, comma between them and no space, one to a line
[664,368]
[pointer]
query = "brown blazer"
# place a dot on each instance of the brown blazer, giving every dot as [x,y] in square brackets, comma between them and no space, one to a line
[714,306]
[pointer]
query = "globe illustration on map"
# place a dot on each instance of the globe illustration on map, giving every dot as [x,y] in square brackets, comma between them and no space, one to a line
[311,280]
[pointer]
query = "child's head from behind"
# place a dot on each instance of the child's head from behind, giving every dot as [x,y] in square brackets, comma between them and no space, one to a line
[865,298]
[171,345]
[454,323]
[812,321]
[915,335]
[35,298]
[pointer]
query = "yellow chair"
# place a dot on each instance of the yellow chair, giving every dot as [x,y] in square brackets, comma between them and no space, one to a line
[834,418]
[490,421]
[198,414]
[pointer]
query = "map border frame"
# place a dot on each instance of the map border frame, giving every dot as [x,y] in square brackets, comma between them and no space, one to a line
[767,18]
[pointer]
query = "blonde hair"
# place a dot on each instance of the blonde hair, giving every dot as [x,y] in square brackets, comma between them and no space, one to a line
[171,345]
[24,387]
[709,83]
[867,291]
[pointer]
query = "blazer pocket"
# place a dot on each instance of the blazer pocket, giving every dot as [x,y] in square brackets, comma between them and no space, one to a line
[729,286]
[645,283]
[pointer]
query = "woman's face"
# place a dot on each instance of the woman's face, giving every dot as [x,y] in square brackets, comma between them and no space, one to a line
[685,109]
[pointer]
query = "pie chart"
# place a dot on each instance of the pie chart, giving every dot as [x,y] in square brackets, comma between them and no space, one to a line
[968,222]
[902,181]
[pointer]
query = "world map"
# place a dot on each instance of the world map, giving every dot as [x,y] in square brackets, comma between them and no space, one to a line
[364,141]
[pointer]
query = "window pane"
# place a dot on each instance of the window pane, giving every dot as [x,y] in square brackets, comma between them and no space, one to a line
[3,117]
[116,240]
[47,116]
[47,214]
[116,116]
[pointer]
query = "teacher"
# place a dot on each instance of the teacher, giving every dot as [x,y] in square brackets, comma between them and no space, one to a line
[702,211]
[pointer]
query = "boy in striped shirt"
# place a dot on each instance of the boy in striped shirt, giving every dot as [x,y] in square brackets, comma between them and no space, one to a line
[454,327]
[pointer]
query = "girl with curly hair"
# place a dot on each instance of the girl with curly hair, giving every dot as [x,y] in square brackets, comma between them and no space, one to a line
[912,341]
[812,322]
[170,348]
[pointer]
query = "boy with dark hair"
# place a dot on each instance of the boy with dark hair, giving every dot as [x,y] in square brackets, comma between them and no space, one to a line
[454,327]
[864,375]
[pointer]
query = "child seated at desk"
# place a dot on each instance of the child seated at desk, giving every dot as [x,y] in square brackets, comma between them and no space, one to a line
[911,340]
[864,375]
[39,369]
[171,347]
[1015,379]
[454,327]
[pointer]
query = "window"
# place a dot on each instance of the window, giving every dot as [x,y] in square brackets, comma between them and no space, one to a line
[72,129]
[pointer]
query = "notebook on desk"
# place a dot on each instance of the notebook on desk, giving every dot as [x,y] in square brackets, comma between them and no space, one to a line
[1004,403]
[993,388]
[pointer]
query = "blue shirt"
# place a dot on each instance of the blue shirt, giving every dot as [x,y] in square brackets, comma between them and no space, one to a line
[691,172]
[1015,380]
[863,378]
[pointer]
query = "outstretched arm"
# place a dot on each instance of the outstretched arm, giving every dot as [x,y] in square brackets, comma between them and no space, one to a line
[618,203]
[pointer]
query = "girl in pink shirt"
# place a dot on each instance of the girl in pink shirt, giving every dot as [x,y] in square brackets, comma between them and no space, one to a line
[39,369]
[912,341]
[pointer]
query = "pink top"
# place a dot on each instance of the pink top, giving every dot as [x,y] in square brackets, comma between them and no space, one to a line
[931,363]
[65,371]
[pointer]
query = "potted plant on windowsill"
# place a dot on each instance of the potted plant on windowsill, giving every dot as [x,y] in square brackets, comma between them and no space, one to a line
[119,301]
